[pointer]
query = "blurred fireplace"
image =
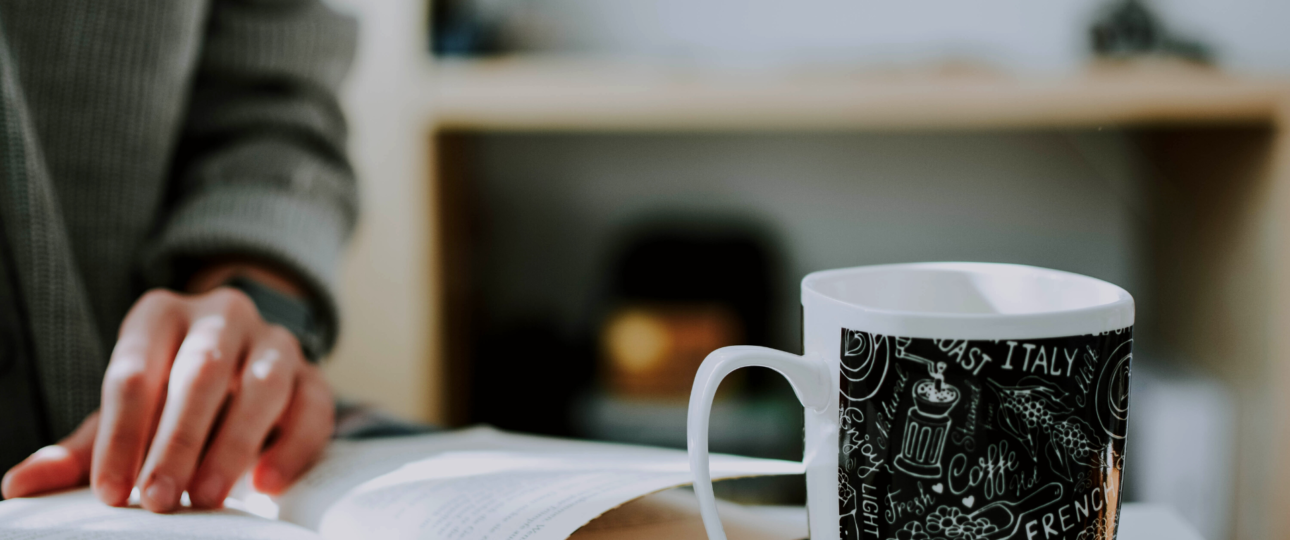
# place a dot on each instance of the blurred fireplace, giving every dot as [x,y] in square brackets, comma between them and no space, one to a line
[669,291]
[681,289]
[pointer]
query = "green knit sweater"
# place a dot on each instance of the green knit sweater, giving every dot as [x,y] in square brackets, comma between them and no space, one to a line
[141,136]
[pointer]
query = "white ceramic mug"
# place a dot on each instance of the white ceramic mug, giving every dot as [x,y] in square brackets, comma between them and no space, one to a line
[956,401]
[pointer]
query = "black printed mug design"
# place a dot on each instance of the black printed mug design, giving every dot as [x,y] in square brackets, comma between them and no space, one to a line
[981,440]
[951,401]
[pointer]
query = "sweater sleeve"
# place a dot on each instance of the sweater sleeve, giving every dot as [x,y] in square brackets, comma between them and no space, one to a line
[260,170]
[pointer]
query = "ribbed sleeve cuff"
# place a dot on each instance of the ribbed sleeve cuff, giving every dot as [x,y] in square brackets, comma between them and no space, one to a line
[301,236]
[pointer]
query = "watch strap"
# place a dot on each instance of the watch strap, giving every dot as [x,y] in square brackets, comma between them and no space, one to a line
[294,314]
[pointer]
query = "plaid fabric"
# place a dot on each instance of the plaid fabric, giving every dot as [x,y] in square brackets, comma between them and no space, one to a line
[138,137]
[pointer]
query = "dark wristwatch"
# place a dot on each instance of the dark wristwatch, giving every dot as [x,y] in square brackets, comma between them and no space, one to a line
[294,314]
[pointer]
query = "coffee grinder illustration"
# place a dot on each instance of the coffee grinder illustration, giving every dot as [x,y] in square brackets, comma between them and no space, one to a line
[927,426]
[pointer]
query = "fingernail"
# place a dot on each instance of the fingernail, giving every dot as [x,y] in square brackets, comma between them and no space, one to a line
[210,493]
[160,495]
[269,479]
[50,453]
[6,484]
[113,492]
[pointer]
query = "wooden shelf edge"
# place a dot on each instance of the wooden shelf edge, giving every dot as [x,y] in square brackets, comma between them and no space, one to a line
[536,95]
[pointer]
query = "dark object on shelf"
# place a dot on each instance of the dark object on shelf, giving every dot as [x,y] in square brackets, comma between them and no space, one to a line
[679,290]
[701,262]
[458,29]
[1128,29]
[654,349]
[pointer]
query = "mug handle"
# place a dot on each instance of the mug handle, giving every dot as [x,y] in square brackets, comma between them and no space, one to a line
[810,381]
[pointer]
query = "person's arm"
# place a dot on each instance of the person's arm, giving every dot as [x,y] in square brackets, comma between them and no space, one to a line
[199,387]
[260,171]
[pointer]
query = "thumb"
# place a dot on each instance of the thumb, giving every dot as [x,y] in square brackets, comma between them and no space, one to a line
[59,466]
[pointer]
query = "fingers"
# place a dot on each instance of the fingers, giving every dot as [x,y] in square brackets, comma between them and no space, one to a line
[54,467]
[305,428]
[132,392]
[176,383]
[198,386]
[266,384]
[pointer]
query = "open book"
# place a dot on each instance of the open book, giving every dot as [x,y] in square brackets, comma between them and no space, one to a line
[475,484]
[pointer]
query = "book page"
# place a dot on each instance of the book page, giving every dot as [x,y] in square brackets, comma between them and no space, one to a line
[348,464]
[517,495]
[78,515]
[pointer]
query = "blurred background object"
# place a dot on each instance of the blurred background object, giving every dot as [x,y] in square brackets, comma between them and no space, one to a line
[458,28]
[1129,30]
[567,202]
[681,289]
[652,350]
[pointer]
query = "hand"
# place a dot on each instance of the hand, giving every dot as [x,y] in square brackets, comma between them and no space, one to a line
[195,388]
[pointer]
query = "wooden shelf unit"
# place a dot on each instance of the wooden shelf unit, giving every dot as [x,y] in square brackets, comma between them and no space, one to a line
[1217,144]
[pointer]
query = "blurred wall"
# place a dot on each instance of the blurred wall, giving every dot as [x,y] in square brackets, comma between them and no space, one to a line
[385,345]
[1249,35]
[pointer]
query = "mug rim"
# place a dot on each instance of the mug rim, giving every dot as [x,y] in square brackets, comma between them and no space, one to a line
[1110,316]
